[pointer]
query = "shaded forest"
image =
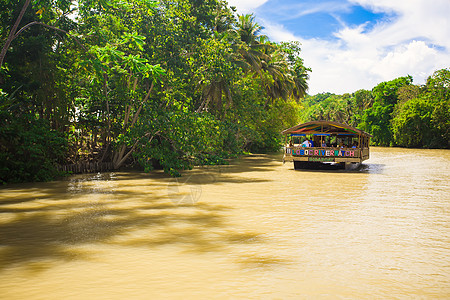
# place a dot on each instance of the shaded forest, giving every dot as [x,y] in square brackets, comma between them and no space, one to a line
[167,84]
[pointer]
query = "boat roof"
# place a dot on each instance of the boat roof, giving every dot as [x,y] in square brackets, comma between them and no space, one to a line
[324,127]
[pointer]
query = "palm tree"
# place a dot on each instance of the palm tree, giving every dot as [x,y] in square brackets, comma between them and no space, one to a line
[253,53]
[300,78]
[252,47]
[247,56]
[278,82]
[285,78]
[248,29]
[213,91]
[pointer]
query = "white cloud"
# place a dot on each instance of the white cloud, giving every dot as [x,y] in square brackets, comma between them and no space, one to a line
[278,32]
[246,6]
[415,43]
[414,56]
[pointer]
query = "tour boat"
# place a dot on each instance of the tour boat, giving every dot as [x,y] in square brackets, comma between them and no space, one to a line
[334,145]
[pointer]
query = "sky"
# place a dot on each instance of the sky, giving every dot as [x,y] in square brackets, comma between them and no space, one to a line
[356,44]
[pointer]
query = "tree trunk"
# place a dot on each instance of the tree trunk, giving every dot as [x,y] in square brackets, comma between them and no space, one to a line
[122,154]
[12,33]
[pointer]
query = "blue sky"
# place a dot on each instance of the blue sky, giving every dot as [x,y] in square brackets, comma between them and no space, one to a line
[318,19]
[356,44]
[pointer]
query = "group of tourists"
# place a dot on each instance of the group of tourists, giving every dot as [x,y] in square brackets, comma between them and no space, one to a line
[323,144]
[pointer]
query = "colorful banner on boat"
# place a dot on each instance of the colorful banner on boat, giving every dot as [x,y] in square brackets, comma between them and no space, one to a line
[320,152]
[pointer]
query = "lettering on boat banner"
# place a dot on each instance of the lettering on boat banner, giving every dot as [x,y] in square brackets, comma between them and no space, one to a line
[320,152]
[321,159]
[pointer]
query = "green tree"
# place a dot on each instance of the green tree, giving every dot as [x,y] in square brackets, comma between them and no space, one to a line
[377,119]
[29,148]
[438,86]
[171,83]
[421,118]
[411,125]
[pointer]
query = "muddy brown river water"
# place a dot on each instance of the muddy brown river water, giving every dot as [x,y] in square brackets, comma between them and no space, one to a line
[255,229]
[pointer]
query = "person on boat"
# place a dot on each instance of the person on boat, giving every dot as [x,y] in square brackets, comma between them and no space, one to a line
[311,143]
[324,144]
[306,143]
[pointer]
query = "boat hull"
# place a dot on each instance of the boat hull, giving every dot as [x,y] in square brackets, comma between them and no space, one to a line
[308,165]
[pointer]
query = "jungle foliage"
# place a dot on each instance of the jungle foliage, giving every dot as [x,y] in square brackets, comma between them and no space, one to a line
[173,84]
[170,83]
[396,113]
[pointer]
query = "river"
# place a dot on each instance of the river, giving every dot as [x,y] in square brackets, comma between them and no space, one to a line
[254,229]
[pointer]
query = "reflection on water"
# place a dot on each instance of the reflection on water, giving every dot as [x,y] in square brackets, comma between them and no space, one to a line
[254,229]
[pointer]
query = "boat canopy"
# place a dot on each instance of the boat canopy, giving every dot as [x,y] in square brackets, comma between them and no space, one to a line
[323,128]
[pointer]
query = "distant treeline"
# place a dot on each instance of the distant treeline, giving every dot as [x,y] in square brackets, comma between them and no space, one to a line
[167,84]
[396,113]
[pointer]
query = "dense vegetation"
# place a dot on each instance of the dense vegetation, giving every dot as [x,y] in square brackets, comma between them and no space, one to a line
[173,84]
[396,113]
[169,83]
